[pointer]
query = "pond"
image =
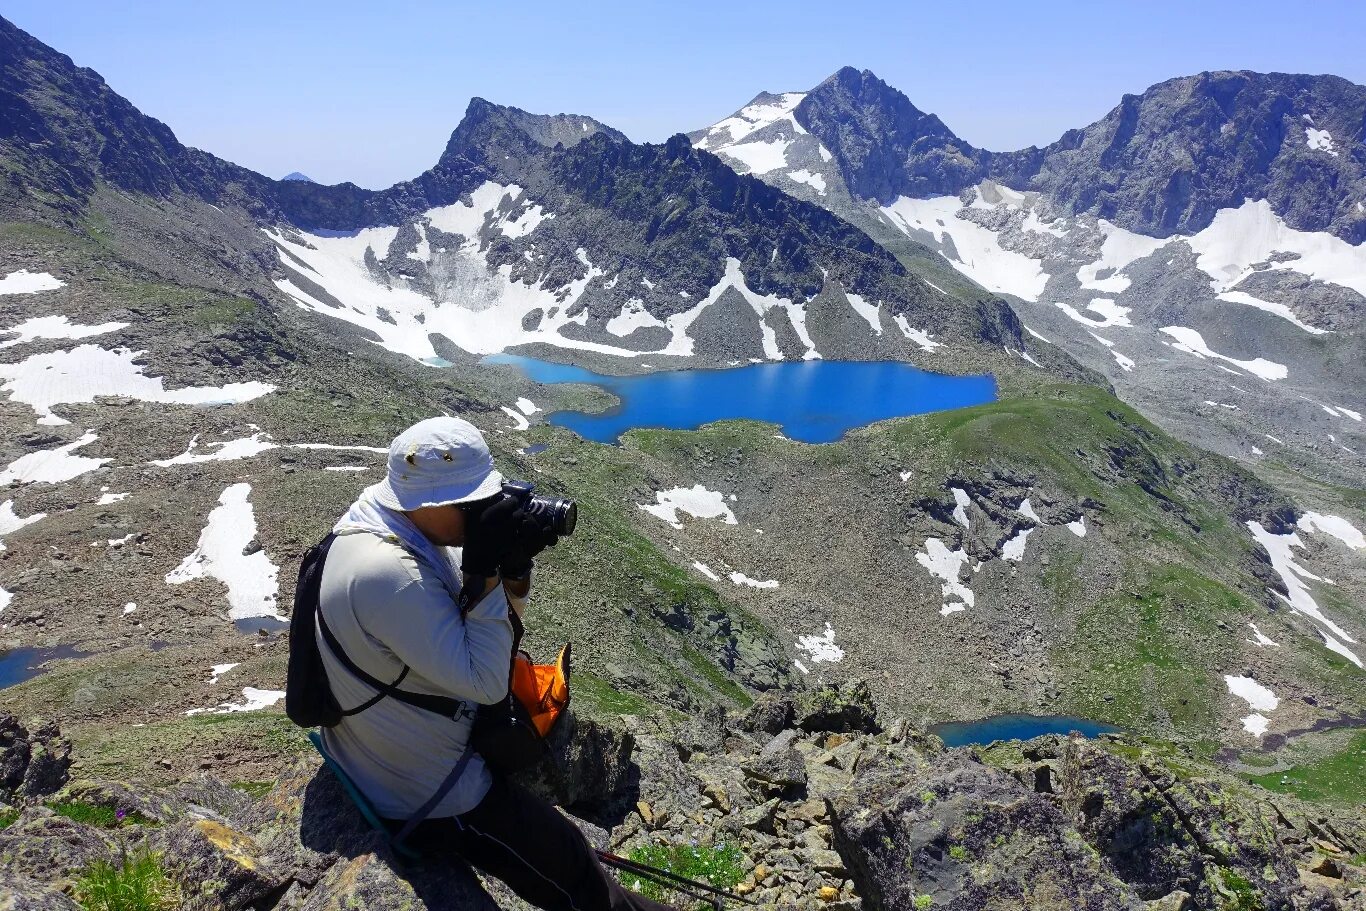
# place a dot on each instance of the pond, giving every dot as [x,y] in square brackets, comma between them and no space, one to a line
[1016,727]
[20,664]
[812,401]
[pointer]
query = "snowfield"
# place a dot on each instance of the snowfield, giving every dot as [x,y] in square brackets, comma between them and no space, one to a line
[480,308]
[10,523]
[946,565]
[52,466]
[980,255]
[252,700]
[722,136]
[26,282]
[697,501]
[1191,342]
[821,648]
[224,553]
[88,371]
[1280,550]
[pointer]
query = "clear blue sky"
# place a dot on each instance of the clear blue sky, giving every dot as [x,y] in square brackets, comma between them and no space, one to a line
[370,92]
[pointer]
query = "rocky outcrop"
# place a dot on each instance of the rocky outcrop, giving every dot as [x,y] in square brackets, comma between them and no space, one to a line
[31,763]
[839,813]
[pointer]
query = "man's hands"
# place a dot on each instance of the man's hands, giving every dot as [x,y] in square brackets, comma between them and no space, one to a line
[531,538]
[489,535]
[502,539]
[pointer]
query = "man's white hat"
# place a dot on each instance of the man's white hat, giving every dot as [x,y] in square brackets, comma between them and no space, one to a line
[435,462]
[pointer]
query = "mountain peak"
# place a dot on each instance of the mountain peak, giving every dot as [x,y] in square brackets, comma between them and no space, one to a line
[298,175]
[886,146]
[515,133]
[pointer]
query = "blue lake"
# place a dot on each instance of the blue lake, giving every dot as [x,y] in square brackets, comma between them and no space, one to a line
[1016,727]
[20,664]
[812,401]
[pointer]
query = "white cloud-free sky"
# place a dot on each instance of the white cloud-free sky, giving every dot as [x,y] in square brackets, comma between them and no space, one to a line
[370,92]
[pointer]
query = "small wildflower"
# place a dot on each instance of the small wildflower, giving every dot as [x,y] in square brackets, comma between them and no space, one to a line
[120,815]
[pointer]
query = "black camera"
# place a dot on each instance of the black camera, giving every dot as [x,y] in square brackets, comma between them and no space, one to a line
[557,514]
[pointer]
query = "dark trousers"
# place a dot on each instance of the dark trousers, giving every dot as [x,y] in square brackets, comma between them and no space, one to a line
[529,845]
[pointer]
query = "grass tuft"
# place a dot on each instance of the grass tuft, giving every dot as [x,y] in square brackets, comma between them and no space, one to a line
[721,866]
[101,817]
[136,883]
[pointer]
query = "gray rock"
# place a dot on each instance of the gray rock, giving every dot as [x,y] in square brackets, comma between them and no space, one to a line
[969,837]
[50,848]
[31,763]
[19,893]
[845,708]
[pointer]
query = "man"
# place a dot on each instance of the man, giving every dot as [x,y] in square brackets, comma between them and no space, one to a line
[391,595]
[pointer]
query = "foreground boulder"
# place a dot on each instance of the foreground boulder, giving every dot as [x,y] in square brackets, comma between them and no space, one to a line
[31,763]
[967,837]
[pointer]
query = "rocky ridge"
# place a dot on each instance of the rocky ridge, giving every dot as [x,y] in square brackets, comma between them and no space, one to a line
[828,808]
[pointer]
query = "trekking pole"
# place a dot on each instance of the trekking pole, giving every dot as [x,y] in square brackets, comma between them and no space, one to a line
[657,877]
[635,866]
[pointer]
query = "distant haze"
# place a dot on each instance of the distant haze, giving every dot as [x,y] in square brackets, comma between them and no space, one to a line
[338,92]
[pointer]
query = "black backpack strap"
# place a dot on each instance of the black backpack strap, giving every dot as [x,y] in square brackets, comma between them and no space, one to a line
[442,790]
[441,705]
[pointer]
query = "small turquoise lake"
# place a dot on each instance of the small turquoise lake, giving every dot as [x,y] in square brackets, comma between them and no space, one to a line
[1016,727]
[812,401]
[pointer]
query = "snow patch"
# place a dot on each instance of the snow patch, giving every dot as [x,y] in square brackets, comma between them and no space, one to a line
[1280,550]
[52,466]
[1118,251]
[1261,637]
[1111,314]
[251,579]
[868,311]
[1026,509]
[1239,239]
[1253,693]
[963,501]
[88,371]
[759,157]
[1078,527]
[1014,549]
[226,451]
[219,670]
[919,336]
[741,579]
[1320,140]
[821,648]
[519,422]
[816,181]
[10,523]
[1191,342]
[946,565]
[705,570]
[1255,724]
[750,119]
[697,501]
[252,700]
[1281,310]
[1336,526]
[527,406]
[108,499]
[633,316]
[980,254]
[26,282]
[58,327]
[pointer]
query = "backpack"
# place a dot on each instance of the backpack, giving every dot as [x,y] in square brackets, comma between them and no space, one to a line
[308,697]
[508,735]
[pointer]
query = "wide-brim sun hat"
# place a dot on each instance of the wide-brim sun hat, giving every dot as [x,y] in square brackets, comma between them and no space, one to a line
[437,462]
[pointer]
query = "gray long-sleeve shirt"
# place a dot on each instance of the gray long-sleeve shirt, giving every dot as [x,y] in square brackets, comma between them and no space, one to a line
[386,610]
